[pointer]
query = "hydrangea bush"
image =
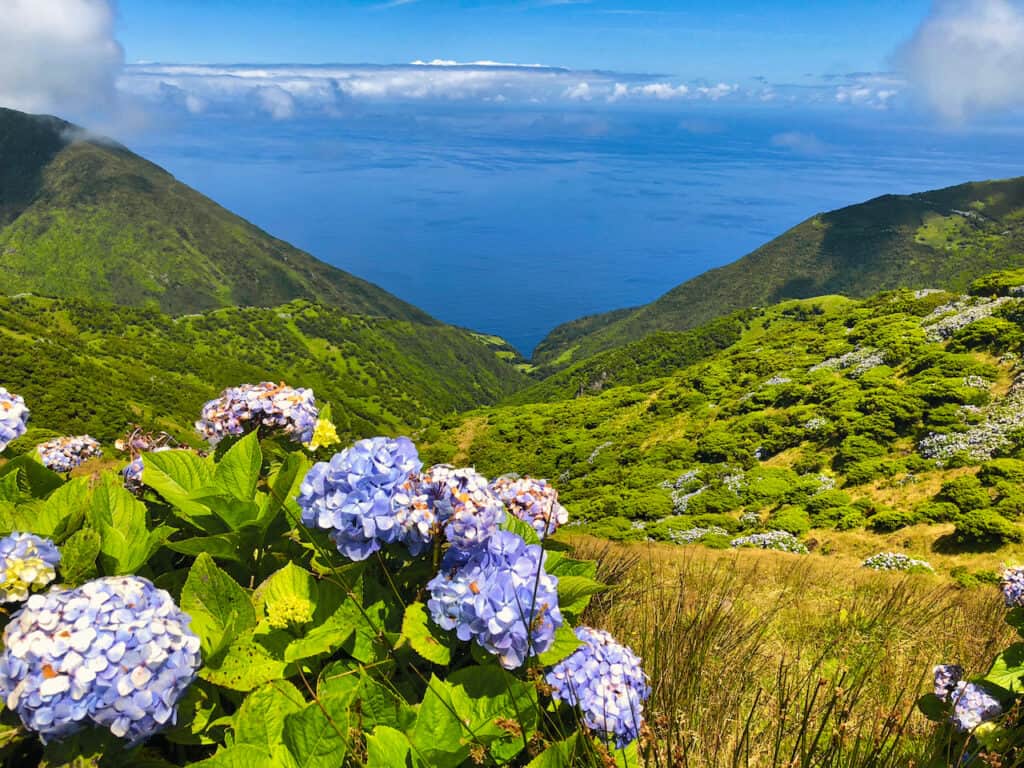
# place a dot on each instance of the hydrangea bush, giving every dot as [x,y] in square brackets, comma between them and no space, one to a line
[272,604]
[897,561]
[63,454]
[780,541]
[982,714]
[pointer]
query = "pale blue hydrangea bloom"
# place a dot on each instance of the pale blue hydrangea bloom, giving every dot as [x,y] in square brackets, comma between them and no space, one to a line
[463,503]
[946,678]
[63,454]
[532,501]
[13,417]
[250,406]
[365,497]
[26,561]
[1013,587]
[115,652]
[608,684]
[780,541]
[500,596]
[895,561]
[972,706]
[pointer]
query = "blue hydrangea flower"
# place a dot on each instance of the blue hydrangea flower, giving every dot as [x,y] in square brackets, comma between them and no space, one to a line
[780,541]
[63,454]
[947,676]
[132,473]
[972,706]
[1013,587]
[358,496]
[115,652]
[26,561]
[250,406]
[13,417]
[463,502]
[532,501]
[607,682]
[896,561]
[498,595]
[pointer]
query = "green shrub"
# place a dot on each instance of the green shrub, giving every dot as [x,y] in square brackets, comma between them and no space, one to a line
[985,526]
[850,518]
[792,520]
[937,511]
[1001,469]
[827,500]
[965,492]
[892,520]
[871,469]
[727,522]
[855,449]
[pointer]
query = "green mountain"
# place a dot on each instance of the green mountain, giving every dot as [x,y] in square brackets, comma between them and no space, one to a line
[88,367]
[836,413]
[944,238]
[84,217]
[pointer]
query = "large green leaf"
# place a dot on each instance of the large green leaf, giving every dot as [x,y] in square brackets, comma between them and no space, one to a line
[439,735]
[260,719]
[244,666]
[380,705]
[387,748]
[561,754]
[238,471]
[219,607]
[316,738]
[427,639]
[34,479]
[574,593]
[284,486]
[125,539]
[78,556]
[565,643]
[222,546]
[176,475]
[241,756]
[1008,668]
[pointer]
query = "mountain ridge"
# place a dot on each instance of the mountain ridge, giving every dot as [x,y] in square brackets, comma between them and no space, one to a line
[941,238]
[84,217]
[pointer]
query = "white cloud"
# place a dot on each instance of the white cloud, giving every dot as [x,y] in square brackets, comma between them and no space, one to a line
[662,91]
[968,56]
[579,92]
[58,55]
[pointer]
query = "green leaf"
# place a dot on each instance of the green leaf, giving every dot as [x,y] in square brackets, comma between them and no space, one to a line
[260,719]
[378,705]
[240,756]
[238,471]
[561,754]
[244,666]
[574,594]
[1007,669]
[387,748]
[223,546]
[10,491]
[559,565]
[177,474]
[521,528]
[219,607]
[932,707]
[428,640]
[78,556]
[439,736]
[314,739]
[565,643]
[125,540]
[64,510]
[34,479]
[235,513]
[284,486]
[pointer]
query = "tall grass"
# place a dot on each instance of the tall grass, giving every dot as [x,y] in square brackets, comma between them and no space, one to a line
[768,659]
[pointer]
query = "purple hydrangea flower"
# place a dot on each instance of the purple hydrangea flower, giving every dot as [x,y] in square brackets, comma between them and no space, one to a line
[250,406]
[63,454]
[1013,586]
[364,497]
[532,501]
[500,596]
[132,473]
[946,678]
[463,502]
[607,682]
[26,561]
[972,706]
[13,417]
[115,652]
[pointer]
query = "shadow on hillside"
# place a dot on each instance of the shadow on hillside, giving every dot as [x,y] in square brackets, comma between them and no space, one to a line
[950,545]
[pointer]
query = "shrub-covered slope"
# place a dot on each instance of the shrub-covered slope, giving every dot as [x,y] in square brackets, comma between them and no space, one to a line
[89,367]
[85,217]
[943,238]
[826,412]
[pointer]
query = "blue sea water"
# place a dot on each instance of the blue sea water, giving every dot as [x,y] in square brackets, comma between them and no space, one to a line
[513,221]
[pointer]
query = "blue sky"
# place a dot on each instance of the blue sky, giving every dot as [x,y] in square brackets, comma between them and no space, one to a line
[723,39]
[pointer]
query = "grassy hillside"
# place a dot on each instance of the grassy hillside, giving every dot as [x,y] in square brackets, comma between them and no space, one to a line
[828,414]
[944,238]
[89,367]
[86,218]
